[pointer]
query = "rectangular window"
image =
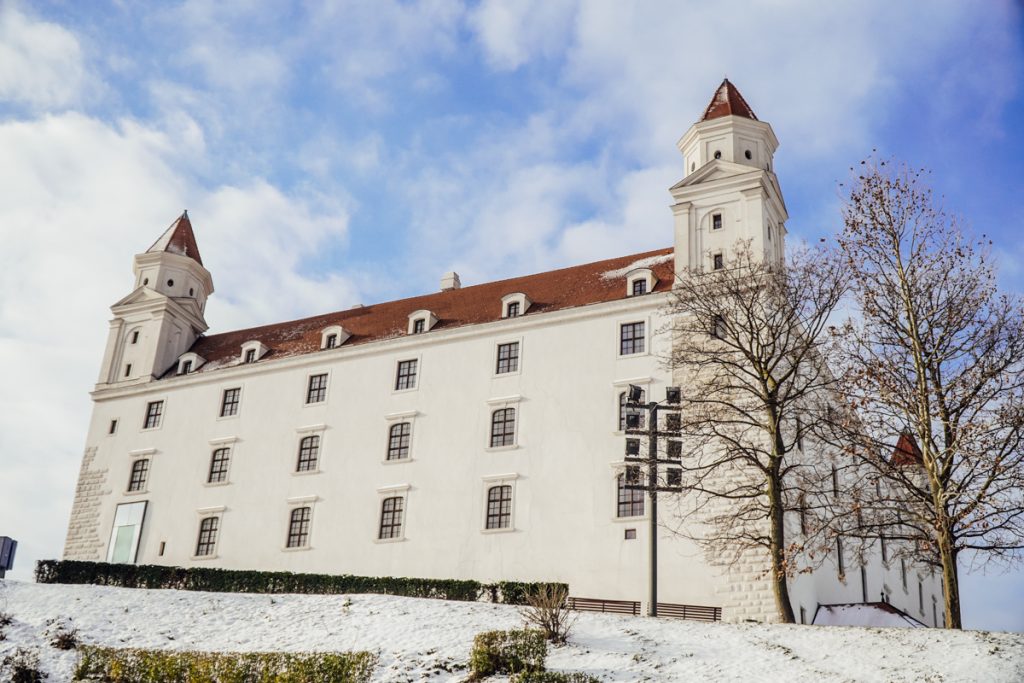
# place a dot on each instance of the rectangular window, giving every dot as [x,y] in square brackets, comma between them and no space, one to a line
[128,370]
[630,500]
[639,286]
[840,560]
[113,427]
[499,507]
[512,310]
[718,328]
[207,541]
[508,357]
[332,341]
[920,596]
[674,449]
[835,481]
[317,391]
[405,377]
[391,518]
[716,221]
[185,367]
[903,572]
[250,356]
[309,453]
[419,325]
[140,471]
[630,535]
[229,404]
[135,337]
[503,427]
[219,466]
[298,528]
[398,441]
[717,262]
[631,338]
[154,413]
[885,548]
[675,477]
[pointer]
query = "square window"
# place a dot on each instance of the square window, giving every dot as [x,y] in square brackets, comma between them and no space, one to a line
[630,534]
[508,358]
[207,541]
[398,441]
[229,404]
[405,377]
[391,518]
[140,472]
[631,338]
[499,507]
[674,449]
[503,427]
[298,527]
[154,413]
[317,391]
[675,477]
[219,462]
[639,286]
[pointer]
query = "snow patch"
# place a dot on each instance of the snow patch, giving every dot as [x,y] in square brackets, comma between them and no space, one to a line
[648,262]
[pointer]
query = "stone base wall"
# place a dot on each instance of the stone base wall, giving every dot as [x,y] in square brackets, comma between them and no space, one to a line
[83,540]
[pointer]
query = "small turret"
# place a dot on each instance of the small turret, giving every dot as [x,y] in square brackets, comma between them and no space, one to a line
[163,316]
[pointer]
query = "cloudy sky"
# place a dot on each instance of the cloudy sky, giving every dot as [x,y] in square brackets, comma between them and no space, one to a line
[331,153]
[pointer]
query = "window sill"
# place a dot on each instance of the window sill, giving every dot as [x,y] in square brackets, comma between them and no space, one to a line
[152,429]
[508,530]
[200,558]
[227,417]
[493,449]
[385,541]
[298,549]
[308,404]
[510,373]
[136,493]
[216,483]
[396,461]
[306,473]
[405,391]
[630,520]
[638,354]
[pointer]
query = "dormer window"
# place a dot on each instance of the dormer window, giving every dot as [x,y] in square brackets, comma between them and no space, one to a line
[252,351]
[514,305]
[334,336]
[640,281]
[189,362]
[184,367]
[421,321]
[716,221]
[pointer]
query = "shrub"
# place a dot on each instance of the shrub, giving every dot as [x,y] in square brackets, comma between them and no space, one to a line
[554,677]
[548,610]
[5,621]
[507,652]
[245,581]
[22,667]
[63,635]
[162,666]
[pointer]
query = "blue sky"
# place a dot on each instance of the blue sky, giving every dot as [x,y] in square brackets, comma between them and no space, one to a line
[341,152]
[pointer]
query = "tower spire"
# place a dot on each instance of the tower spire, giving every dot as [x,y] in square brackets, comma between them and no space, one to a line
[727,101]
[179,239]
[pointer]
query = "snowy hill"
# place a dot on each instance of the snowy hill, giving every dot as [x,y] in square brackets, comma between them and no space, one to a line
[419,638]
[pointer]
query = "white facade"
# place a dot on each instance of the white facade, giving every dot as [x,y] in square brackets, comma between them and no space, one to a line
[177,439]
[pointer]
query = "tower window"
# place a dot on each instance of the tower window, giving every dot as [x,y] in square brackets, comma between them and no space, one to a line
[170,283]
[135,337]
[717,262]
[128,370]
[748,155]
[137,480]
[718,154]
[191,292]
[113,427]
[716,221]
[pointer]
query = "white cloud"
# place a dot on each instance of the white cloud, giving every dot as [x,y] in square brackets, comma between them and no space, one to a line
[514,33]
[40,62]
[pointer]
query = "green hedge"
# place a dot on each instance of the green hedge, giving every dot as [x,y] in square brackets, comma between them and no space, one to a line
[164,666]
[507,652]
[245,581]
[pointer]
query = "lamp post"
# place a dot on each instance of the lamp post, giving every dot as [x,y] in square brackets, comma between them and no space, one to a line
[652,461]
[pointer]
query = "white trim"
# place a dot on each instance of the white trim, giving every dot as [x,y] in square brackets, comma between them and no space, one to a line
[342,334]
[297,501]
[211,511]
[519,357]
[648,337]
[635,380]
[515,297]
[419,373]
[403,415]
[492,481]
[162,398]
[393,488]
[428,318]
[327,390]
[308,429]
[511,476]
[223,440]
[220,402]
[504,400]
[142,452]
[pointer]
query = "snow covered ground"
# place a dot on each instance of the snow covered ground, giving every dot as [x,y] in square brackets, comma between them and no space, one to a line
[427,639]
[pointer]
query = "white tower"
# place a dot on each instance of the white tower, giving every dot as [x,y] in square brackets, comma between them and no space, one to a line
[729,191]
[163,316]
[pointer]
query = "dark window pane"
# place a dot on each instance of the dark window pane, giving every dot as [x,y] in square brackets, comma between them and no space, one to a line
[298,528]
[391,518]
[508,357]
[631,338]
[499,507]
[631,501]
[398,441]
[625,410]
[207,536]
[309,451]
[405,378]
[639,286]
[250,356]
[219,465]
[154,411]
[229,404]
[140,470]
[317,391]
[503,427]
[513,310]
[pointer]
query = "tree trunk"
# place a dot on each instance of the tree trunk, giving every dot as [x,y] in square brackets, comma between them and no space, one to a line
[780,582]
[950,580]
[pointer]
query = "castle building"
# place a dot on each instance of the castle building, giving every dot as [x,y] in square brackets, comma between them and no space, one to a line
[475,432]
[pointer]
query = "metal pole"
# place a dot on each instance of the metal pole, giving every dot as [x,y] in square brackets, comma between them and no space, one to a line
[652,486]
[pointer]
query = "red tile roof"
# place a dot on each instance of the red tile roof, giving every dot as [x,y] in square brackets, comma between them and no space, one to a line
[727,101]
[906,451]
[179,239]
[554,290]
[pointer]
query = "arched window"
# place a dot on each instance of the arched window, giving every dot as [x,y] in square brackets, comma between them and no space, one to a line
[499,507]
[298,527]
[219,465]
[398,441]
[391,518]
[140,471]
[503,427]
[309,452]
[630,501]
[625,410]
[207,536]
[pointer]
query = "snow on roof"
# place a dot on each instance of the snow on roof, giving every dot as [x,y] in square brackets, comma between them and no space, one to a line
[648,262]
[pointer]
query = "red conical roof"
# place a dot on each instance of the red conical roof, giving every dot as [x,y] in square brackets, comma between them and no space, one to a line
[179,239]
[906,451]
[728,101]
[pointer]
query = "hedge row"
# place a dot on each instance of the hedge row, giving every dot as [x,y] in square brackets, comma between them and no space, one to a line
[521,653]
[164,666]
[245,581]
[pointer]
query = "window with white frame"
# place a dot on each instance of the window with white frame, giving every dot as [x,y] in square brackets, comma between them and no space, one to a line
[514,305]
[399,438]
[220,459]
[334,336]
[139,475]
[421,321]
[631,338]
[499,507]
[639,287]
[316,392]
[508,358]
[309,453]
[206,543]
[298,527]
[154,414]
[512,309]
[640,281]
[331,341]
[184,367]
[391,517]
[503,427]
[405,375]
[630,501]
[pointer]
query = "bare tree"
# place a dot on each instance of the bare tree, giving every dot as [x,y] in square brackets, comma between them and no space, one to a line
[936,355]
[747,356]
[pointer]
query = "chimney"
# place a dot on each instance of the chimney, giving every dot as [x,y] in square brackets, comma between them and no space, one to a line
[450,281]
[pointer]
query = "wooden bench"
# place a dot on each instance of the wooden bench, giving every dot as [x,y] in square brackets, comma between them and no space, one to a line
[695,612]
[610,606]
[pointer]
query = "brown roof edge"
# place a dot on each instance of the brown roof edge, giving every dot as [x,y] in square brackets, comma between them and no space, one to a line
[727,101]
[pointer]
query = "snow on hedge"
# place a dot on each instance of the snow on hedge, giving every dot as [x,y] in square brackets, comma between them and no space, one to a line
[417,637]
